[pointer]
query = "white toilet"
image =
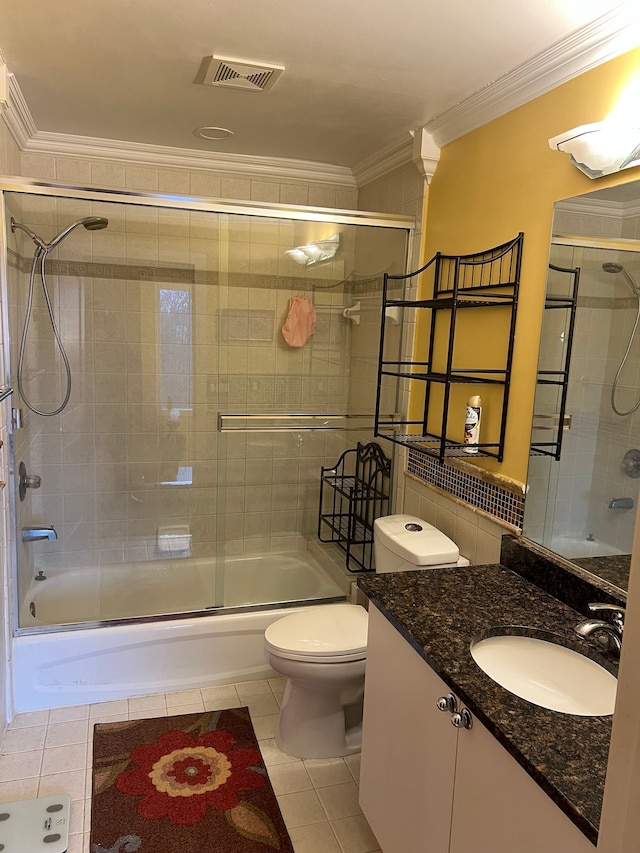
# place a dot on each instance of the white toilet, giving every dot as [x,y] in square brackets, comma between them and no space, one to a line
[322,650]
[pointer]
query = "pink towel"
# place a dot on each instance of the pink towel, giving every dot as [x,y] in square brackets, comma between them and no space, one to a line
[300,325]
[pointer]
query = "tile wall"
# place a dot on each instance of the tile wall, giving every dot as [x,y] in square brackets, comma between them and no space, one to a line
[9,165]
[569,501]
[173,317]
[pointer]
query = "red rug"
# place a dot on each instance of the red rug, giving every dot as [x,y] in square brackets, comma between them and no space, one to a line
[193,783]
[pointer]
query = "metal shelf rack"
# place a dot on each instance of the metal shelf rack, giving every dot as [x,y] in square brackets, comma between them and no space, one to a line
[353,493]
[545,421]
[458,286]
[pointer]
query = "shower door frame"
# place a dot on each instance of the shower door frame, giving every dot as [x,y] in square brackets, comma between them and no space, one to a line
[26,186]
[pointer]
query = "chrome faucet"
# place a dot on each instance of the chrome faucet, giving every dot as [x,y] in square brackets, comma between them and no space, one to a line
[34,534]
[608,635]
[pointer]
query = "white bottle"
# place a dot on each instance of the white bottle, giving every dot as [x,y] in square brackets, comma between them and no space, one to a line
[472,424]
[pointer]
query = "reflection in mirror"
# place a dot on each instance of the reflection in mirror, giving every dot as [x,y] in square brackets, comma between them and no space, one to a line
[583,506]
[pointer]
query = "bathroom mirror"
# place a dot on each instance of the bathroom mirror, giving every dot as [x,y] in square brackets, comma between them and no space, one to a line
[583,506]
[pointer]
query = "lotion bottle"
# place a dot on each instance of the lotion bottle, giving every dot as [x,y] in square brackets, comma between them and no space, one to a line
[472,424]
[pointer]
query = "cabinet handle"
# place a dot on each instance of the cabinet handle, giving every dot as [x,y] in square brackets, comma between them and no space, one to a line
[447,703]
[462,719]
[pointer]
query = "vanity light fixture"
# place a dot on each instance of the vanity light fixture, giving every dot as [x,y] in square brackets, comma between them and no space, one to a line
[601,148]
[314,253]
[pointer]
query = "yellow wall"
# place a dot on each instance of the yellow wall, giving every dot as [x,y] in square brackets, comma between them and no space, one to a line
[503,178]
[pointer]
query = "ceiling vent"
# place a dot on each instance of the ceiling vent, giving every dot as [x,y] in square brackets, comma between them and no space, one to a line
[239,73]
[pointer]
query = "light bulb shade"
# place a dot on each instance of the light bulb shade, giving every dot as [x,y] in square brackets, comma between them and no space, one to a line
[600,149]
[314,253]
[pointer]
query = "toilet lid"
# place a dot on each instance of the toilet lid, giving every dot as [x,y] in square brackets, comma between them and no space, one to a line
[329,631]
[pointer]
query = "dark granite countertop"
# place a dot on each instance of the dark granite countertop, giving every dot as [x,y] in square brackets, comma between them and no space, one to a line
[441,611]
[614,569]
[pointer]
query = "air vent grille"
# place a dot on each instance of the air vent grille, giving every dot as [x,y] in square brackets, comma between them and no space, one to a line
[240,74]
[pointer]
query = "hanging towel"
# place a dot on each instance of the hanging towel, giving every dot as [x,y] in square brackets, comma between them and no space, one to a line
[300,325]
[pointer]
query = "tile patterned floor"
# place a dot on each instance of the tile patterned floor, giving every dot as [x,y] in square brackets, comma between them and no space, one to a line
[50,752]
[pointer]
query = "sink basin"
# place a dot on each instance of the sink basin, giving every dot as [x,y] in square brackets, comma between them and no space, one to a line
[547,674]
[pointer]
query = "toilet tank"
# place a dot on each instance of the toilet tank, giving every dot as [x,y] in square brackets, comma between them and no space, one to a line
[404,542]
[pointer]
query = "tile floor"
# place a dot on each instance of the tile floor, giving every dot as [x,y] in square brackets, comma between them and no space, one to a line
[50,752]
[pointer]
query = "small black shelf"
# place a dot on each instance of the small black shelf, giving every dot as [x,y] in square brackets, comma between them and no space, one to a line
[431,445]
[487,280]
[555,421]
[353,493]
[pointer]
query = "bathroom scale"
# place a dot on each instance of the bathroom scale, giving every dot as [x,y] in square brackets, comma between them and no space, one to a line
[35,826]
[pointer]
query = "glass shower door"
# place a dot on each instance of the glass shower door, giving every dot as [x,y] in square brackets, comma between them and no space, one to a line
[171,319]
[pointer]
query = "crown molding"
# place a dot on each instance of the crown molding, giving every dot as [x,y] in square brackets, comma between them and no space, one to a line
[604,207]
[591,207]
[144,154]
[17,115]
[30,140]
[379,164]
[607,37]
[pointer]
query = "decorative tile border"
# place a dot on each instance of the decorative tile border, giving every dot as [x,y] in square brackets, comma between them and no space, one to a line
[176,274]
[502,503]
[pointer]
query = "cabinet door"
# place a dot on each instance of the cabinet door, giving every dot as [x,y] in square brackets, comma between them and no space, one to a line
[498,808]
[408,747]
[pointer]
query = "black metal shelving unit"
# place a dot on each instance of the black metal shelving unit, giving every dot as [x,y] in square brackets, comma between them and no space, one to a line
[353,493]
[457,284]
[556,421]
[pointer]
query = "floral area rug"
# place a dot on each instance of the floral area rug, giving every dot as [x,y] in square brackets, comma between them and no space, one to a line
[193,783]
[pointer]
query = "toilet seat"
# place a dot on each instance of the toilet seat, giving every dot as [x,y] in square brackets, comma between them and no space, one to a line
[334,633]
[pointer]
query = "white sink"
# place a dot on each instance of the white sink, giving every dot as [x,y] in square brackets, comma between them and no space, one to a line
[547,674]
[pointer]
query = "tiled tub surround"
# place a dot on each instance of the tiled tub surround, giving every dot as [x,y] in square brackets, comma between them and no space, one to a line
[138,447]
[589,474]
[110,463]
[440,612]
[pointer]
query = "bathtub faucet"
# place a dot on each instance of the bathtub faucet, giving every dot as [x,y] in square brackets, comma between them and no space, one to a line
[621,503]
[34,534]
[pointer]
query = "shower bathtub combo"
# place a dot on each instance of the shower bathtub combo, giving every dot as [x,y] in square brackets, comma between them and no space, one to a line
[102,610]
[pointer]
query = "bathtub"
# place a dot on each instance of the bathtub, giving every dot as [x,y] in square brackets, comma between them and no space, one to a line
[131,590]
[573,546]
[95,664]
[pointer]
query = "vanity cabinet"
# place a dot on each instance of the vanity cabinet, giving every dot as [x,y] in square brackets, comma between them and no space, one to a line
[428,787]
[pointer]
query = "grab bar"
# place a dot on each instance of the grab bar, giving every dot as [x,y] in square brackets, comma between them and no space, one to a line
[302,422]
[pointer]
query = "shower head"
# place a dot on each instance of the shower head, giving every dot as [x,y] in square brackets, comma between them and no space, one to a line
[612,267]
[94,223]
[91,223]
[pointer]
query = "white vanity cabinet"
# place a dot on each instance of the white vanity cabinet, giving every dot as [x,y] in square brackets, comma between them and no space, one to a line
[427,787]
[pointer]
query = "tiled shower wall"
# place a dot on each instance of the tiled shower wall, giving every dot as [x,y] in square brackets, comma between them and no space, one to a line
[127,456]
[9,165]
[570,500]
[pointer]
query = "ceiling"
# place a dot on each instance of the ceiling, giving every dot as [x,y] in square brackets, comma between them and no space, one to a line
[359,74]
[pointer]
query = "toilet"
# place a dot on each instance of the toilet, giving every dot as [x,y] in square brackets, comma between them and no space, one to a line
[322,650]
